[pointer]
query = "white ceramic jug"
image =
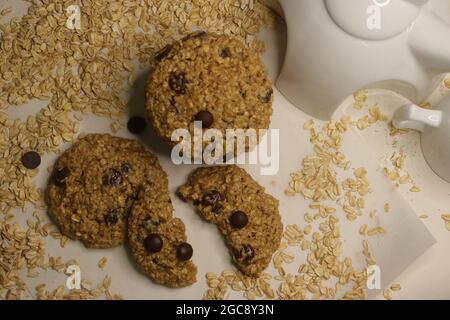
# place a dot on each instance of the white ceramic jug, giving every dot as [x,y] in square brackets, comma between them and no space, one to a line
[435,128]
[336,47]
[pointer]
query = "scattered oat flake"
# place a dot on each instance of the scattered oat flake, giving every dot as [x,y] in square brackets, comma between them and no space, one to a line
[447,83]
[396,287]
[102,263]
[387,294]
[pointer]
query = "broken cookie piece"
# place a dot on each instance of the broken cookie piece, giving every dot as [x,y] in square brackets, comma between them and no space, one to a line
[246,215]
[158,240]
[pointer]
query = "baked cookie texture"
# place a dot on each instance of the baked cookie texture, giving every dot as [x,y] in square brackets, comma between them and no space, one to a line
[94,185]
[157,239]
[211,78]
[246,215]
[106,188]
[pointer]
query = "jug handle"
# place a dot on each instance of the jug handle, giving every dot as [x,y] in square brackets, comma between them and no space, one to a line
[416,118]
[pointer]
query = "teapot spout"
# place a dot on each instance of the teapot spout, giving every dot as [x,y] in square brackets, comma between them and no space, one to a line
[429,40]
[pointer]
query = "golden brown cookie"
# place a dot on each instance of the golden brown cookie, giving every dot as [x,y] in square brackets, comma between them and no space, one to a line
[94,185]
[158,241]
[211,78]
[247,216]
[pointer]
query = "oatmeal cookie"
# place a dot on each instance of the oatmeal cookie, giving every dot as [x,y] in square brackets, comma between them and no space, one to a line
[210,78]
[247,216]
[94,185]
[158,241]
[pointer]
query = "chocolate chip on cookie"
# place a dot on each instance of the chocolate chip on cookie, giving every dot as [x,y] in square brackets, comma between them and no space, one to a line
[153,243]
[238,220]
[205,117]
[225,53]
[60,176]
[111,217]
[113,179]
[184,251]
[178,82]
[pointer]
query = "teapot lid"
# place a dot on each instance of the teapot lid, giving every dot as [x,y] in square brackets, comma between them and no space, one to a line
[374,19]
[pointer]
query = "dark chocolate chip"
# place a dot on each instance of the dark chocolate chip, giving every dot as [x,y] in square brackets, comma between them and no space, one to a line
[60,176]
[153,243]
[206,118]
[126,168]
[136,125]
[178,82]
[238,220]
[225,53]
[163,53]
[267,97]
[111,217]
[212,197]
[195,35]
[31,160]
[115,178]
[184,251]
[246,253]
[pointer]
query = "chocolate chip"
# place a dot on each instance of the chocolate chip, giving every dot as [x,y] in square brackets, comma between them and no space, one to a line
[184,251]
[178,82]
[205,117]
[267,97]
[246,252]
[212,197]
[153,243]
[126,168]
[238,220]
[136,125]
[225,53]
[163,53]
[31,160]
[60,176]
[111,217]
[194,35]
[115,178]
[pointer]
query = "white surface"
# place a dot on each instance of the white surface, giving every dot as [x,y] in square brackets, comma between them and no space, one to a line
[406,239]
[429,276]
[324,64]
[435,128]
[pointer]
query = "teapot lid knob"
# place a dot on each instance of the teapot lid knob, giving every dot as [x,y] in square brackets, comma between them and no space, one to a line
[374,19]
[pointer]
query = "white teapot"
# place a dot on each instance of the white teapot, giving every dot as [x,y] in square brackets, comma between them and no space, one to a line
[336,47]
[435,128]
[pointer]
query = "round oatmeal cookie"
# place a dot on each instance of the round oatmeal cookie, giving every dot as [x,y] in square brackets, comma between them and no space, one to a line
[158,241]
[94,185]
[210,78]
[246,215]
